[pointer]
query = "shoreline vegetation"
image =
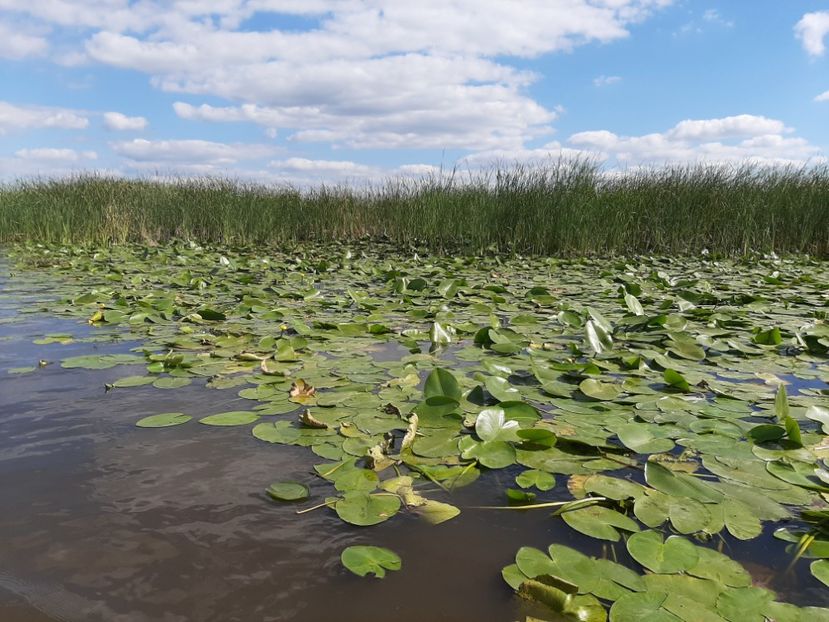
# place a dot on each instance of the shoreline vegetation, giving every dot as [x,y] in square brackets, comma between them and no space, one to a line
[566,208]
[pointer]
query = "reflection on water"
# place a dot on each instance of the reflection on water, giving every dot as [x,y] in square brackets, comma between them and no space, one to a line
[100,520]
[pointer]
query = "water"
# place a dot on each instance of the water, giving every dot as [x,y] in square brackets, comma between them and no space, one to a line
[101,520]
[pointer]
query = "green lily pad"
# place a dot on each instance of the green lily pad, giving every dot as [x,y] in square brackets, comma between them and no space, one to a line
[287,491]
[441,383]
[163,420]
[674,555]
[540,479]
[363,560]
[599,522]
[364,509]
[230,418]
[602,391]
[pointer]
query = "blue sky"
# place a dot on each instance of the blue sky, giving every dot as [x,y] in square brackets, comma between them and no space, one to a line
[302,91]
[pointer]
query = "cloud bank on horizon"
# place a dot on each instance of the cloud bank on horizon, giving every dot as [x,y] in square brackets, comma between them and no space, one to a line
[302,91]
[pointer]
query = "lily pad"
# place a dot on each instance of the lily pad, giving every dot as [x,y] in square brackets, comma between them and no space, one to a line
[673,555]
[163,420]
[230,418]
[287,491]
[363,560]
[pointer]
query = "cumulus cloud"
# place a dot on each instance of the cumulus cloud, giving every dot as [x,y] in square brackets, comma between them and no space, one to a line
[16,44]
[812,30]
[14,117]
[368,74]
[196,156]
[730,139]
[116,121]
[304,171]
[823,97]
[49,154]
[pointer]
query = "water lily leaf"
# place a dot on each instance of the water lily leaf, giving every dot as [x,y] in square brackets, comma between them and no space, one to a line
[104,361]
[598,337]
[820,570]
[363,509]
[163,420]
[363,560]
[633,305]
[513,576]
[491,454]
[599,522]
[436,444]
[652,508]
[781,403]
[745,604]
[797,473]
[287,491]
[613,487]
[687,350]
[674,555]
[439,335]
[540,479]
[720,568]
[501,389]
[641,607]
[276,432]
[437,412]
[819,414]
[230,418]
[688,515]
[766,432]
[676,380]
[533,562]
[521,412]
[603,391]
[640,438]
[492,425]
[441,382]
[356,479]
[133,381]
[680,484]
[548,595]
[436,512]
[770,337]
[519,497]
[536,438]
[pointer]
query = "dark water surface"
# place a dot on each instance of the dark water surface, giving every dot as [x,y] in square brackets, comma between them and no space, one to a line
[100,520]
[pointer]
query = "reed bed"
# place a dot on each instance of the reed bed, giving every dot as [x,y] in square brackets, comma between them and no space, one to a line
[567,208]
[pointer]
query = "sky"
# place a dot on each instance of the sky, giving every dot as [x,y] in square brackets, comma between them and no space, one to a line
[340,91]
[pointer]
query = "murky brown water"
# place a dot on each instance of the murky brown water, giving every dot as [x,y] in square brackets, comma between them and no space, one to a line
[100,520]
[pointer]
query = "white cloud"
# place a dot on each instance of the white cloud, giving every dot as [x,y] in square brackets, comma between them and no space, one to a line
[49,154]
[16,44]
[730,139]
[14,117]
[304,171]
[187,155]
[606,80]
[338,167]
[726,127]
[712,16]
[116,121]
[811,30]
[371,73]
[823,97]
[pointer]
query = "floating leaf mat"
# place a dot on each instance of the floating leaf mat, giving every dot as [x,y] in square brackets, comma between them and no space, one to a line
[655,404]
